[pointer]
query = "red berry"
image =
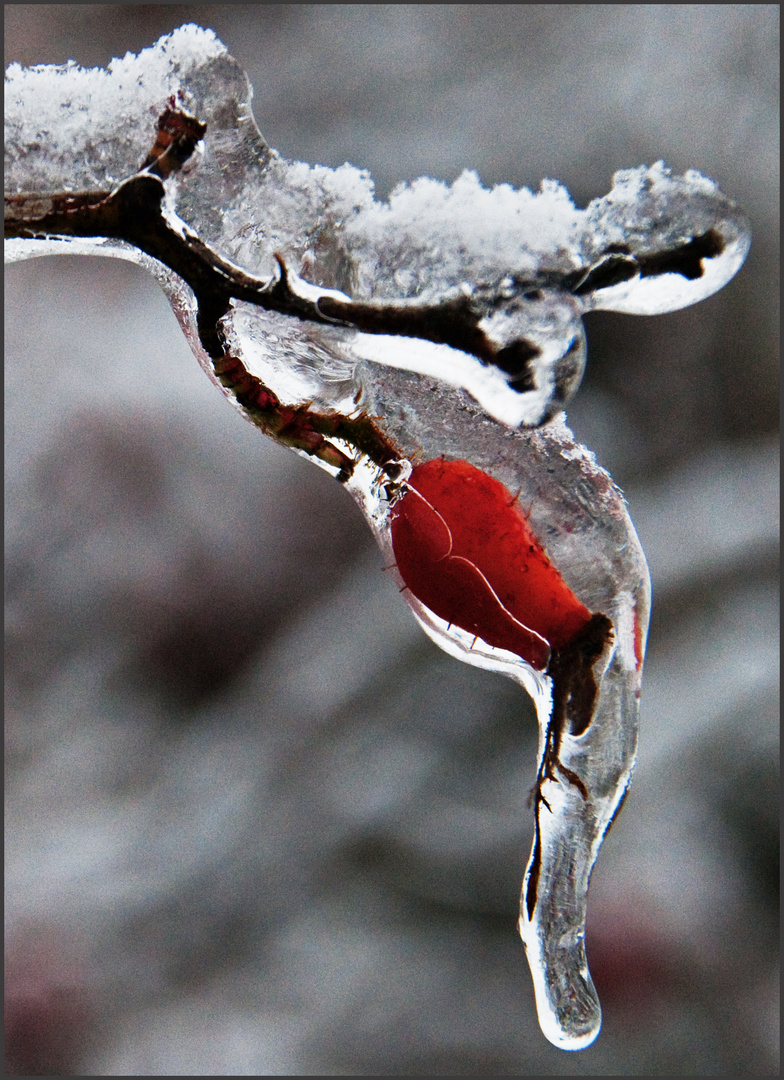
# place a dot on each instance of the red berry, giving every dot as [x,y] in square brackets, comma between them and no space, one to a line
[465,550]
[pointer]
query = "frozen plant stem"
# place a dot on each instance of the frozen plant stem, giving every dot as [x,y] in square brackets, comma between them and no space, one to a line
[422,352]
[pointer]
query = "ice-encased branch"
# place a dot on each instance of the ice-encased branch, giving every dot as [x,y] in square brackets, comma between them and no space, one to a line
[134,213]
[487,288]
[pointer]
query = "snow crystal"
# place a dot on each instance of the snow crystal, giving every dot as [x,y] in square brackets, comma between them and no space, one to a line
[463,231]
[72,128]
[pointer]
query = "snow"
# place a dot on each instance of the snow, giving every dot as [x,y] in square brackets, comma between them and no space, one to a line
[71,128]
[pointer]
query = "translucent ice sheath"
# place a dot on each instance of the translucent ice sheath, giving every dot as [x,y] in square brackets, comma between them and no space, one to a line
[572,818]
[569,831]
[369,336]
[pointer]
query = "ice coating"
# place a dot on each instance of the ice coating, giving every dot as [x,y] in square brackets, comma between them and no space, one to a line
[369,399]
[531,263]
[590,537]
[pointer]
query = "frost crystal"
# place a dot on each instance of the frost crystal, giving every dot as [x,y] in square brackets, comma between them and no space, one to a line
[374,337]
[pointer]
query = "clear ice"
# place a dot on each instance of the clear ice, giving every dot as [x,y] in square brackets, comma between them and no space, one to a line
[532,263]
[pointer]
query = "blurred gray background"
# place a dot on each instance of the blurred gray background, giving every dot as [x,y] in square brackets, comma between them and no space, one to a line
[257,823]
